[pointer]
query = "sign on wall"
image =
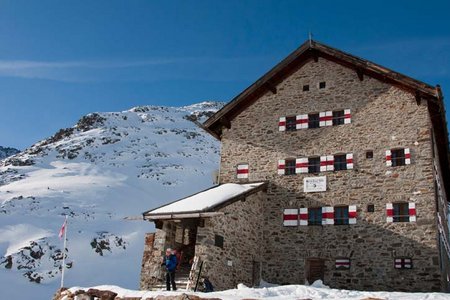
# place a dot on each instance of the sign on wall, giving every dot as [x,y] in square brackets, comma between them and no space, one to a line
[315,184]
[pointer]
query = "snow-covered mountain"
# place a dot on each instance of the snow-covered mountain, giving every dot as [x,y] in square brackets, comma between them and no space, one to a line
[103,173]
[7,151]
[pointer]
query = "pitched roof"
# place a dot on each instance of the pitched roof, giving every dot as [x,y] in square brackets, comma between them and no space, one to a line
[312,50]
[209,200]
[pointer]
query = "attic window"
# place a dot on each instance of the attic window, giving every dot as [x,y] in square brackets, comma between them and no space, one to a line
[370,208]
[322,85]
[403,263]
[306,87]
[369,154]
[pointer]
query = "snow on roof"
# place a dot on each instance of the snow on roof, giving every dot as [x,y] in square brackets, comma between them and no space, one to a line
[207,199]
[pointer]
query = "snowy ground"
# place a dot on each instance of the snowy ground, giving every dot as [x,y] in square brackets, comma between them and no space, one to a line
[287,292]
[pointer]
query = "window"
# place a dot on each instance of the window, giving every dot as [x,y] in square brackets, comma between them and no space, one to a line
[370,208]
[400,212]
[289,167]
[291,123]
[403,263]
[341,215]
[314,165]
[398,157]
[315,216]
[338,117]
[313,121]
[369,154]
[322,85]
[340,162]
[306,87]
[218,241]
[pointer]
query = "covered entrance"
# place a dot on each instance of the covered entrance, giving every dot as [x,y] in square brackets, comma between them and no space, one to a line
[315,269]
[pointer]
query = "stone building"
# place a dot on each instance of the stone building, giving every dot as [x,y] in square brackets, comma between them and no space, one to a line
[333,168]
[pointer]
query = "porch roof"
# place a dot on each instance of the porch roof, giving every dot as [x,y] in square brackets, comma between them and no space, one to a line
[205,203]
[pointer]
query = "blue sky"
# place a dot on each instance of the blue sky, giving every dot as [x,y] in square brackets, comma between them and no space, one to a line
[61,59]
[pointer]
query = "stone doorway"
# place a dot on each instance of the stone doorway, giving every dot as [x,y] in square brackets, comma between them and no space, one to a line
[315,269]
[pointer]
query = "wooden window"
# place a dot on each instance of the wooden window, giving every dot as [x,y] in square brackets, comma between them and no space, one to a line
[398,157]
[313,164]
[338,117]
[291,123]
[289,167]
[313,121]
[403,263]
[306,87]
[370,208]
[218,241]
[322,85]
[315,216]
[369,154]
[341,215]
[340,162]
[400,212]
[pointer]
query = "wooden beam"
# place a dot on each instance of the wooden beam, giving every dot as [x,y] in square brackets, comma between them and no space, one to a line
[271,87]
[360,74]
[418,98]
[225,122]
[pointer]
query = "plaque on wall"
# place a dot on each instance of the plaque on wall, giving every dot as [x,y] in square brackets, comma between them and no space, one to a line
[314,184]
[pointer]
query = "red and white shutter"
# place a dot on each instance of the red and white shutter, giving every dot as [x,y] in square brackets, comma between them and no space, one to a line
[407,156]
[352,214]
[349,158]
[342,263]
[388,158]
[242,171]
[407,263]
[389,213]
[328,215]
[303,216]
[347,116]
[325,118]
[282,124]
[330,163]
[290,217]
[301,165]
[301,122]
[412,211]
[323,164]
[281,166]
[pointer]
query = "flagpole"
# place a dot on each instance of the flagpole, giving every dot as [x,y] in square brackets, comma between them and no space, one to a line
[64,253]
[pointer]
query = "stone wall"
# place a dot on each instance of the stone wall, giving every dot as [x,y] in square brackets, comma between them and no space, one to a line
[383,117]
[239,259]
[151,271]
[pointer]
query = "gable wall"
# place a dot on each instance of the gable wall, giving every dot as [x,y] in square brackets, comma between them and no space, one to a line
[383,117]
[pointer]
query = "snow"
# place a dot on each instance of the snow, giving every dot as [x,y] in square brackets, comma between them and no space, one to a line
[287,292]
[206,199]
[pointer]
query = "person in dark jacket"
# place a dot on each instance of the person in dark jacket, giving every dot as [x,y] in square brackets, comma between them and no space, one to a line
[170,262]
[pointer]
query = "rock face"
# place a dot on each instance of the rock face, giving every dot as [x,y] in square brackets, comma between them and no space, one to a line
[7,151]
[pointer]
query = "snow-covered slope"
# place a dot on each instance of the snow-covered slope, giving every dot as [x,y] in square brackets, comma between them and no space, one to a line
[108,167]
[7,151]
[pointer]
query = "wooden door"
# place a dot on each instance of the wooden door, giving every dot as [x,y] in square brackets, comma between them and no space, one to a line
[315,268]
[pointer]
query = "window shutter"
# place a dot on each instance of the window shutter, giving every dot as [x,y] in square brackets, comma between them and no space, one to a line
[389,213]
[323,164]
[242,171]
[290,217]
[302,121]
[407,156]
[282,124]
[303,216]
[301,165]
[325,118]
[412,212]
[342,263]
[330,163]
[328,215]
[347,116]
[281,167]
[388,158]
[352,214]
[349,158]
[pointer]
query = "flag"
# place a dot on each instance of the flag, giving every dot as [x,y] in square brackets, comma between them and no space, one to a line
[63,229]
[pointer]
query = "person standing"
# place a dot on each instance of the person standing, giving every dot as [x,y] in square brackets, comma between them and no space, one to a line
[170,261]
